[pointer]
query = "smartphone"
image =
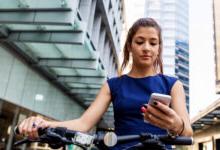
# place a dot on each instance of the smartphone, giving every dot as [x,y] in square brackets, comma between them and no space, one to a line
[162,98]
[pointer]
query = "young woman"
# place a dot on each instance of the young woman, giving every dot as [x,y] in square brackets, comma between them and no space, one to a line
[131,91]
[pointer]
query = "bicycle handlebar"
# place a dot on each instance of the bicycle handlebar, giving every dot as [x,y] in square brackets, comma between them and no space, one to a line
[59,137]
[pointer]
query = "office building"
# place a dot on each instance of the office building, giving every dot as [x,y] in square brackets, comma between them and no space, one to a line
[216,19]
[173,16]
[54,57]
[206,128]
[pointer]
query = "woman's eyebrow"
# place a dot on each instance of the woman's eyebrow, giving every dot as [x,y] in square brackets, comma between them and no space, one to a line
[154,39]
[140,37]
[143,38]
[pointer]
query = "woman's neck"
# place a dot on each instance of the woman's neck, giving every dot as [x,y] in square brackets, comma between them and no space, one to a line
[140,72]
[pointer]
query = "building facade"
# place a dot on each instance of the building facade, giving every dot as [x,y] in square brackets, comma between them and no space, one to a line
[173,16]
[206,126]
[54,57]
[216,18]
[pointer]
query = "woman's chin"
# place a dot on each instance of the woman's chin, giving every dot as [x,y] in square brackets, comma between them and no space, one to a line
[145,65]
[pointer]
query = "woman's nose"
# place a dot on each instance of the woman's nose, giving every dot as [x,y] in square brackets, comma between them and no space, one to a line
[147,46]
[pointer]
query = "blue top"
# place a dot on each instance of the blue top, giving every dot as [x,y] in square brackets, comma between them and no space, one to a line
[128,96]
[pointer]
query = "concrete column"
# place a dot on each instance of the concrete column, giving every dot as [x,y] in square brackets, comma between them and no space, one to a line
[101,41]
[84,9]
[11,136]
[91,17]
[96,31]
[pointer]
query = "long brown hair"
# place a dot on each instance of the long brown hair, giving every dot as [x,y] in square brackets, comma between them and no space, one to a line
[143,22]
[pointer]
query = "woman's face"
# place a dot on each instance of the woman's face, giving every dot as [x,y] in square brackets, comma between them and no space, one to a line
[145,46]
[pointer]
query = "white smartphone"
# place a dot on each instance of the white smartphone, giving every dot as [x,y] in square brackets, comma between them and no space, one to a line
[163,98]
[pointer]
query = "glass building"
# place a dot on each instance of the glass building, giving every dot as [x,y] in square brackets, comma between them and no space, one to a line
[216,15]
[172,15]
[54,56]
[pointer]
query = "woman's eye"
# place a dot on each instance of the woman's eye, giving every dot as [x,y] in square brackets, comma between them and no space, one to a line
[139,42]
[153,44]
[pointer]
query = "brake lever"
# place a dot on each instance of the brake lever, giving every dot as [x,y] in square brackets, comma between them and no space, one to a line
[26,140]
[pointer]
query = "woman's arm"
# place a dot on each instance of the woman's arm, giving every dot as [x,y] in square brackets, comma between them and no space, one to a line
[89,118]
[179,106]
[174,119]
[92,115]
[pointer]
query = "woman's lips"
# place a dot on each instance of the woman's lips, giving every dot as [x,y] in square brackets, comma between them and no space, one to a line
[145,57]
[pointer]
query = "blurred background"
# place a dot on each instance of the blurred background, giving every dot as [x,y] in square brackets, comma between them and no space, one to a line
[55,55]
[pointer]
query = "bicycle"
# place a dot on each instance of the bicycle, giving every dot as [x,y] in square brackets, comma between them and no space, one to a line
[59,137]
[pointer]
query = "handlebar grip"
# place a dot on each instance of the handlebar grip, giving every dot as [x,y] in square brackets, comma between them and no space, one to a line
[70,133]
[181,140]
[17,132]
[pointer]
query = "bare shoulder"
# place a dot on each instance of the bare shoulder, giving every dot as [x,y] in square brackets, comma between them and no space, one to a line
[178,90]
[105,90]
[177,85]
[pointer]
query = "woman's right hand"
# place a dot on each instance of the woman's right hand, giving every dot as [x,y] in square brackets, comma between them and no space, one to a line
[29,127]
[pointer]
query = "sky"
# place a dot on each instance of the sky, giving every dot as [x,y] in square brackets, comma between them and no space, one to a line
[201,50]
[202,65]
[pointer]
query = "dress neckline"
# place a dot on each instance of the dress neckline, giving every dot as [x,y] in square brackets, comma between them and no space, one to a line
[151,76]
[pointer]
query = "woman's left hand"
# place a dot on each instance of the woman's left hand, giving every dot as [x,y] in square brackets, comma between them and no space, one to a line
[163,116]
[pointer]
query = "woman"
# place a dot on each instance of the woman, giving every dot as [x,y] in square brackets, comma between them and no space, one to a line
[131,91]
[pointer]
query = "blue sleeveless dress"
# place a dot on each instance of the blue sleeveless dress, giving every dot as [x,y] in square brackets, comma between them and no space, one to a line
[128,96]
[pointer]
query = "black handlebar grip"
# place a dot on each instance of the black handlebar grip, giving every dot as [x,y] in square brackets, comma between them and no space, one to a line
[17,132]
[70,133]
[181,140]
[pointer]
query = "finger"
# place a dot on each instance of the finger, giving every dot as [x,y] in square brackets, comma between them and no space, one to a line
[159,114]
[43,124]
[37,124]
[155,117]
[25,127]
[34,124]
[21,127]
[162,107]
[155,121]
[35,128]
[29,127]
[34,134]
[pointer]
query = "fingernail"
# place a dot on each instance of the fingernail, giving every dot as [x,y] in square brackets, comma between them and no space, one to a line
[143,109]
[155,103]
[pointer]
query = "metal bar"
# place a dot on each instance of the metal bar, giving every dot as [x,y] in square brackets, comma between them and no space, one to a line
[86,80]
[69,63]
[47,18]
[84,91]
[84,96]
[85,88]
[81,76]
[33,9]
[206,119]
[48,37]
[33,5]
[82,85]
